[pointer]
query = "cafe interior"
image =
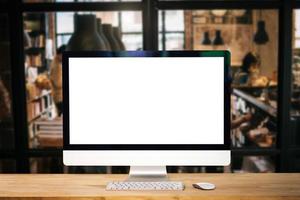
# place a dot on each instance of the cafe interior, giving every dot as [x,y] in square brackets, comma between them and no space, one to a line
[262,36]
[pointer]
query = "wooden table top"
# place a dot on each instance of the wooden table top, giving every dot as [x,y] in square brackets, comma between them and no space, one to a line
[83,186]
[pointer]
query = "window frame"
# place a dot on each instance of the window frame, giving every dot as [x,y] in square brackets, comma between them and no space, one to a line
[149,9]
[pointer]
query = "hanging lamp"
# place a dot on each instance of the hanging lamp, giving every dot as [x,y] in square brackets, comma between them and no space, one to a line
[261,35]
[218,39]
[206,40]
[85,36]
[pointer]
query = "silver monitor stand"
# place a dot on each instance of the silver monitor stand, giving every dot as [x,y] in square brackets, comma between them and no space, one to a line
[146,178]
[148,174]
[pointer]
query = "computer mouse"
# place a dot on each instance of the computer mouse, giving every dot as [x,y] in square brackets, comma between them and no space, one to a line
[204,186]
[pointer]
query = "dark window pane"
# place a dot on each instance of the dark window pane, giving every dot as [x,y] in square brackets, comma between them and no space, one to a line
[46,165]
[7,166]
[6,115]
[295,101]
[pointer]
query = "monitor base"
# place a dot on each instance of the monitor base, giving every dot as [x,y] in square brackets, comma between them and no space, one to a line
[148,174]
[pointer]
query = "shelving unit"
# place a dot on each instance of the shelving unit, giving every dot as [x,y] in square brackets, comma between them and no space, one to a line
[260,110]
[35,28]
[266,108]
[39,101]
[249,138]
[42,105]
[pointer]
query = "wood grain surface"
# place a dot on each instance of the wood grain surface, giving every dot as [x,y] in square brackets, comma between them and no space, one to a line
[92,186]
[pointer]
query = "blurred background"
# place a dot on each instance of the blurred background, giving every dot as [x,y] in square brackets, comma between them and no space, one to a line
[263,38]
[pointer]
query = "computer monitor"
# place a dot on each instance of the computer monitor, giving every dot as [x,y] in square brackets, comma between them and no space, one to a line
[146,109]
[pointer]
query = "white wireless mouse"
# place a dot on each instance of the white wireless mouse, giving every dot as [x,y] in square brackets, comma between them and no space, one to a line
[204,186]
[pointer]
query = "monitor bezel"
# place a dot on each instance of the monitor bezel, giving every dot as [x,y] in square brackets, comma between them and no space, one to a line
[227,91]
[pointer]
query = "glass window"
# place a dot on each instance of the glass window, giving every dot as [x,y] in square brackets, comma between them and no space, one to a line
[64,22]
[62,39]
[44,34]
[174,20]
[133,41]
[160,42]
[295,101]
[131,22]
[109,18]
[174,41]
[6,110]
[252,38]
[297,28]
[171,29]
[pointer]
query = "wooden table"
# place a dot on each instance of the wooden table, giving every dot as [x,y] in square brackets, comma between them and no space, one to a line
[229,186]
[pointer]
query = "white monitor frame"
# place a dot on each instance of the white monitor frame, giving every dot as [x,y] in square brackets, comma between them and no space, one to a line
[147,155]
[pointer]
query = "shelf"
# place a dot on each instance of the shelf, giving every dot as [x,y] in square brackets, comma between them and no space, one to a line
[36,66]
[34,50]
[269,110]
[40,114]
[252,88]
[36,33]
[41,96]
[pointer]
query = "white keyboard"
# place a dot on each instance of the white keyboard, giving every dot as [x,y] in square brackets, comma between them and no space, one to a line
[166,185]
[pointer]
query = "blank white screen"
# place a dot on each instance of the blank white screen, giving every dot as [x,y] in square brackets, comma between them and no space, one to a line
[146,100]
